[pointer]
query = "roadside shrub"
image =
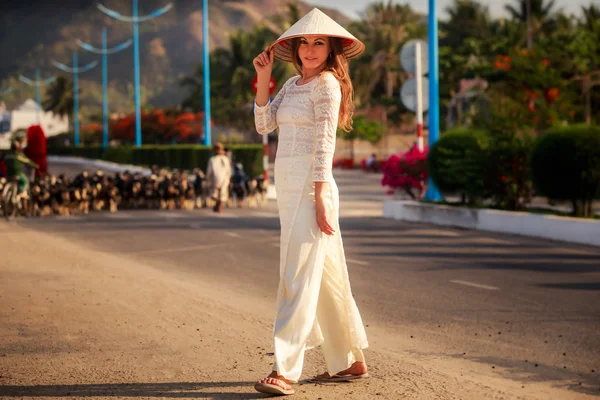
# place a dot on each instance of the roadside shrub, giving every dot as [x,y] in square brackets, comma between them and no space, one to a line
[566,166]
[407,171]
[456,163]
[175,156]
[507,176]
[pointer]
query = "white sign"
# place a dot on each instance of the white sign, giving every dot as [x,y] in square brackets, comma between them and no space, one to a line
[408,94]
[408,57]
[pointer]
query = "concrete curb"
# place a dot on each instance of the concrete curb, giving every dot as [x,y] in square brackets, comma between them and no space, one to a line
[112,167]
[105,166]
[567,229]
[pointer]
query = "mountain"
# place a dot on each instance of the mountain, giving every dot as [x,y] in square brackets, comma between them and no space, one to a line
[34,33]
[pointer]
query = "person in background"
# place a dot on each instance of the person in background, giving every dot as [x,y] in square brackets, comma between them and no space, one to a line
[15,160]
[239,182]
[218,175]
[229,155]
[2,165]
[371,162]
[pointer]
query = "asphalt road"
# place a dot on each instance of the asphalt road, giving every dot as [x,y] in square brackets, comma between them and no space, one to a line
[530,306]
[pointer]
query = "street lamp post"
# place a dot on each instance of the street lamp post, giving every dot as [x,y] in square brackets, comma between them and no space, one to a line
[135,20]
[206,54]
[37,83]
[75,70]
[434,80]
[104,52]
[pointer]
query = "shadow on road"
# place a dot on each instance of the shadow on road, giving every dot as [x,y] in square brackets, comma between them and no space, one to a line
[535,371]
[567,263]
[575,286]
[167,389]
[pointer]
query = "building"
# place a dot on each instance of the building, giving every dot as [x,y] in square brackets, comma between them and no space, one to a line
[27,114]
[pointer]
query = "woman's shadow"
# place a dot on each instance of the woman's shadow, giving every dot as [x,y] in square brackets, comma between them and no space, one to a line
[168,389]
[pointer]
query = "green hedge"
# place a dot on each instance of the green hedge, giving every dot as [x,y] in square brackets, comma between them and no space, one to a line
[507,176]
[457,160]
[168,156]
[566,165]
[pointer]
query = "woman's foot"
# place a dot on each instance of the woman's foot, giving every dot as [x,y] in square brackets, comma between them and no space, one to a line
[359,368]
[274,384]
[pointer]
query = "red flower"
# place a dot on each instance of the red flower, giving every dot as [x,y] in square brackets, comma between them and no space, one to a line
[552,94]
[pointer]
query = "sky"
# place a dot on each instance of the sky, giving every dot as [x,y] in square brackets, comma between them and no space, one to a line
[352,8]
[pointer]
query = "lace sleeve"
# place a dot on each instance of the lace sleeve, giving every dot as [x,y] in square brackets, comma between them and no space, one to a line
[265,117]
[327,98]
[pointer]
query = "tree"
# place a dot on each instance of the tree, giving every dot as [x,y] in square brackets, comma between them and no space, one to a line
[542,20]
[591,16]
[464,38]
[231,91]
[539,10]
[467,20]
[384,28]
[59,98]
[362,129]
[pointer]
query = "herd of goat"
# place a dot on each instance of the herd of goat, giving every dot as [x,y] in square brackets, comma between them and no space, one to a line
[162,190]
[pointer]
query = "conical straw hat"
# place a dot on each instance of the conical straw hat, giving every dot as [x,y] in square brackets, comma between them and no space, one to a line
[316,22]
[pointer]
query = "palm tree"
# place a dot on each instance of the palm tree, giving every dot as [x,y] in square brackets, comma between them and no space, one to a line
[384,28]
[541,19]
[465,38]
[59,98]
[467,19]
[591,16]
[377,74]
[540,10]
[232,72]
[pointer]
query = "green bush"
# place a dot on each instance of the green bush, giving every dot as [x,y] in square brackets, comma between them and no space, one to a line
[566,166]
[59,140]
[165,156]
[250,157]
[507,176]
[120,155]
[456,163]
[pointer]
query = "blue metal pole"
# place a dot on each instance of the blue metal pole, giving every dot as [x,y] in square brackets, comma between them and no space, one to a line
[207,138]
[37,94]
[104,89]
[76,99]
[433,193]
[136,67]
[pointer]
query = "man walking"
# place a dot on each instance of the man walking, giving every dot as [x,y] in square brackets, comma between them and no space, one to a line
[218,175]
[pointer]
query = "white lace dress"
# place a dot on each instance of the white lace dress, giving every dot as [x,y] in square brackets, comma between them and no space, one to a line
[315,305]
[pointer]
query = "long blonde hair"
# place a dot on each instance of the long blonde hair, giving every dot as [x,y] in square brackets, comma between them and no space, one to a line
[337,64]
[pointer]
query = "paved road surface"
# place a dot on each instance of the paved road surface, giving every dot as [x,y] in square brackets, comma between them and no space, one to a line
[528,306]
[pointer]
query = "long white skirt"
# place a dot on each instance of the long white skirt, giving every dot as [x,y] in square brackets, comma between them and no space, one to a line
[315,305]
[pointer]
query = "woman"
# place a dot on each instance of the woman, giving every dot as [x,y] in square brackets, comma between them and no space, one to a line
[315,306]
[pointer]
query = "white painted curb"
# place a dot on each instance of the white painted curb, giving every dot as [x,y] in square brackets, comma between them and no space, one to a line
[105,166]
[573,230]
[112,167]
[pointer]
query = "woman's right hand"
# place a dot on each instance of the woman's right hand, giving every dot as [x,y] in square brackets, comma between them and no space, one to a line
[263,63]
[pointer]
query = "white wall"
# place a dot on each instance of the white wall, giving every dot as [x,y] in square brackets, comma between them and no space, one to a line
[26,115]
